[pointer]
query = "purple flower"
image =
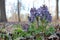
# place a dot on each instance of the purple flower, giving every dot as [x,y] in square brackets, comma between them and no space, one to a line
[41,12]
[44,13]
[33,10]
[31,19]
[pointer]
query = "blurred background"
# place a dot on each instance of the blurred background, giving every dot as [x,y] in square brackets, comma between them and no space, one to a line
[19,10]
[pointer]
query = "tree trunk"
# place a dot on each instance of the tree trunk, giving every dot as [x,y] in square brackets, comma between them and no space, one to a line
[57,15]
[2,11]
[18,11]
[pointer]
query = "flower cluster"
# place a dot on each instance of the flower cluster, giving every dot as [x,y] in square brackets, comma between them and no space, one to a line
[41,12]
